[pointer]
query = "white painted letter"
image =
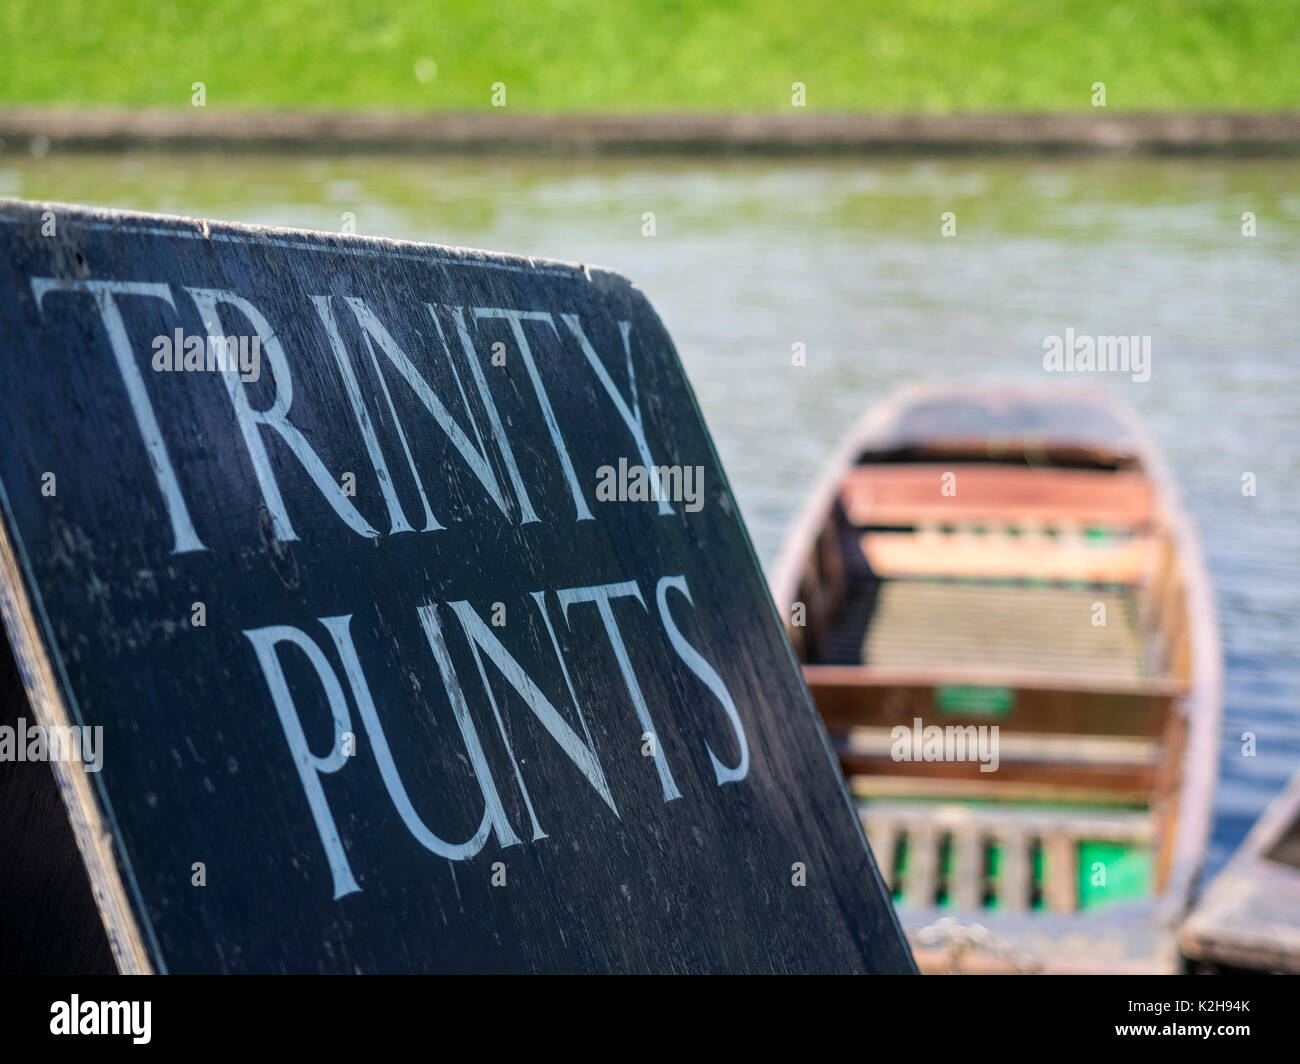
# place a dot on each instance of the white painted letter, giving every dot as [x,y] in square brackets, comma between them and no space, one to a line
[695,662]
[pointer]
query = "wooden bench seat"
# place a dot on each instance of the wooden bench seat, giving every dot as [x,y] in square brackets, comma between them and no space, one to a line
[849,696]
[1016,747]
[867,788]
[902,554]
[909,494]
[1095,763]
[1091,777]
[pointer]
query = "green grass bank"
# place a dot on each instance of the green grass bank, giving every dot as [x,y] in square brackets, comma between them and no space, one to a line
[565,56]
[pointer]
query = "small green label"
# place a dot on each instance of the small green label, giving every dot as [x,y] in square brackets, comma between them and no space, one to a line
[975,701]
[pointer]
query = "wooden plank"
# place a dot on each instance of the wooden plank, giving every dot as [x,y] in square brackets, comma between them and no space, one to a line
[913,493]
[1130,779]
[396,666]
[982,788]
[1061,870]
[1013,746]
[968,865]
[1248,919]
[1034,941]
[1046,630]
[858,696]
[1249,916]
[1014,872]
[901,554]
[921,876]
[1127,778]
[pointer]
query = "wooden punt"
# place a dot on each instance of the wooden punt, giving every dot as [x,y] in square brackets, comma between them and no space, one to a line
[1015,558]
[1250,916]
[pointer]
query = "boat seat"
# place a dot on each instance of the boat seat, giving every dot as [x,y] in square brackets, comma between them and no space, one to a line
[1071,559]
[1016,779]
[1022,747]
[909,494]
[854,696]
[1099,768]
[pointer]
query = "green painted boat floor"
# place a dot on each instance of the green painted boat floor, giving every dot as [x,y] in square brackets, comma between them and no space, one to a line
[1109,873]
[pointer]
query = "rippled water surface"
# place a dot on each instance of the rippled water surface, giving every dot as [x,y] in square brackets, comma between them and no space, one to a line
[846,258]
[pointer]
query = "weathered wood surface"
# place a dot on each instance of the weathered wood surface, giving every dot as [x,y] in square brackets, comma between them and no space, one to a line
[1128,736]
[49,923]
[625,774]
[1029,497]
[1250,915]
[1026,630]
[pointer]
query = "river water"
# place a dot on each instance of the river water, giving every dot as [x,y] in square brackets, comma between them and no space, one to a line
[749,258]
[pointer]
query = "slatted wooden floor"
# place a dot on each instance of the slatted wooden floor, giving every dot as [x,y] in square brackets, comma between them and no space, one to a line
[967,834]
[926,625]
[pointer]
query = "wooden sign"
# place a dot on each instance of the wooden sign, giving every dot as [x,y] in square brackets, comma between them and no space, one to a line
[403,614]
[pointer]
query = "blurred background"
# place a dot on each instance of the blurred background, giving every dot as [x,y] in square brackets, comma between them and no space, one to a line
[750,256]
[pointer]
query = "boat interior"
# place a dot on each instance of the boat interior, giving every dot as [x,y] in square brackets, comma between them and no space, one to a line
[965,574]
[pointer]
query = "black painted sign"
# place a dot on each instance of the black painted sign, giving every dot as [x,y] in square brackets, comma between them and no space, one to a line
[401,607]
